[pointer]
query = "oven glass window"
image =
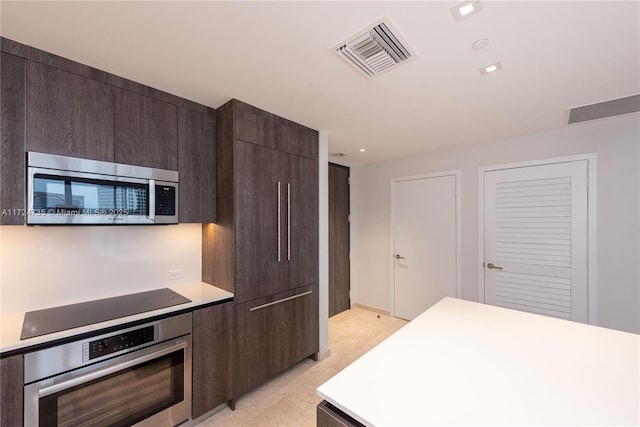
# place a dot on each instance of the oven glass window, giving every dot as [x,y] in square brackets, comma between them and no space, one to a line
[88,196]
[119,399]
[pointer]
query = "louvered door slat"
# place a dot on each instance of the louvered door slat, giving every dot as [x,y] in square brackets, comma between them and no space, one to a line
[532,227]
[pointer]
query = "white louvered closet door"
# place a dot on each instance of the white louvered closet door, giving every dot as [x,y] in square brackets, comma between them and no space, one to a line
[536,239]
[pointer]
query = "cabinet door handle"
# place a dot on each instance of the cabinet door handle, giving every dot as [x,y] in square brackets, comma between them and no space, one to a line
[288,221]
[259,307]
[278,201]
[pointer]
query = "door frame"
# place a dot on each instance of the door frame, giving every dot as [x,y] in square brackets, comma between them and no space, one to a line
[457,173]
[592,221]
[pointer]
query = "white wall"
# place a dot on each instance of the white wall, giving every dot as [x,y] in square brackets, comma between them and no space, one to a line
[50,266]
[616,142]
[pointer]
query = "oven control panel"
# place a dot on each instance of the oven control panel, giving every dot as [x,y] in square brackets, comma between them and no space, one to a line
[115,343]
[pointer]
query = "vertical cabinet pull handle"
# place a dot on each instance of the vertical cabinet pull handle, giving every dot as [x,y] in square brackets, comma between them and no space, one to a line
[288,221]
[278,200]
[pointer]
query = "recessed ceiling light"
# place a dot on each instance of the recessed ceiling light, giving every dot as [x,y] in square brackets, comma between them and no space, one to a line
[492,68]
[362,150]
[465,9]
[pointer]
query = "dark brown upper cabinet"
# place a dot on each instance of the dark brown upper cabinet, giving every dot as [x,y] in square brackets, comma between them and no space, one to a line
[257,126]
[68,114]
[54,105]
[197,166]
[146,131]
[12,158]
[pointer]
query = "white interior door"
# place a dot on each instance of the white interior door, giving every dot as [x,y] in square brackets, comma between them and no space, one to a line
[536,239]
[424,243]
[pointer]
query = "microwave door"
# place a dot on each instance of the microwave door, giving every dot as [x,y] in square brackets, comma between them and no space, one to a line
[61,197]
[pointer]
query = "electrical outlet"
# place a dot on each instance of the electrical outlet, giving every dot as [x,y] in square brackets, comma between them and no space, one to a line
[176,274]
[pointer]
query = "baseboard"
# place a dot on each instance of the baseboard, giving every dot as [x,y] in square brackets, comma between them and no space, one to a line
[370,308]
[321,355]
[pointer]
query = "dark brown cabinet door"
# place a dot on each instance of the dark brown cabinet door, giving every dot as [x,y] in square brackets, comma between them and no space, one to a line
[146,131]
[300,207]
[338,239]
[297,139]
[245,121]
[259,252]
[212,357]
[11,391]
[328,415]
[197,166]
[273,334]
[12,158]
[68,114]
[263,128]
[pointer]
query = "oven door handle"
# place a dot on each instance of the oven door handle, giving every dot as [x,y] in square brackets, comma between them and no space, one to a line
[167,348]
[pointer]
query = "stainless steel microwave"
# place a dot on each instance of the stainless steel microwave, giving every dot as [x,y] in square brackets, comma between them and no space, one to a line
[72,191]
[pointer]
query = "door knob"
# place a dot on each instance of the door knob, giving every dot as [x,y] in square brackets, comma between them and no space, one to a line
[399,257]
[490,265]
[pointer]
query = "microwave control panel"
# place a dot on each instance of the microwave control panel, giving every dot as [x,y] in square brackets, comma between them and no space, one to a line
[165,200]
[115,343]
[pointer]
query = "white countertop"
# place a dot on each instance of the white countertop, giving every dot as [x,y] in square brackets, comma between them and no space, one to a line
[462,362]
[199,293]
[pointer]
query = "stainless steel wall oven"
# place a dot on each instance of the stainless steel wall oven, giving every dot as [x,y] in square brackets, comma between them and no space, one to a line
[135,376]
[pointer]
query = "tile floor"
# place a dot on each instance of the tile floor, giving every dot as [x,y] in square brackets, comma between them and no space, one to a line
[290,399]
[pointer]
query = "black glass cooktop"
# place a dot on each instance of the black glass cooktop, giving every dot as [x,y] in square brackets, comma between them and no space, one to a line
[47,321]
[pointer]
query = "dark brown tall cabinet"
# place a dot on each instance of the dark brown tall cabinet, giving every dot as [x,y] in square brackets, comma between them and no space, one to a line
[264,247]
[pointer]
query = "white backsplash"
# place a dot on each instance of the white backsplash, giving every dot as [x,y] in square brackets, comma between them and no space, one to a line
[50,266]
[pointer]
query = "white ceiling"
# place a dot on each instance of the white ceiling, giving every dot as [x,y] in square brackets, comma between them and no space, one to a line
[279,56]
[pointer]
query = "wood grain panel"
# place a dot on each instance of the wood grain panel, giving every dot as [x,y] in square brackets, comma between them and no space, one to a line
[12,391]
[299,140]
[212,357]
[301,176]
[46,58]
[197,166]
[68,114]
[268,129]
[12,145]
[218,245]
[245,122]
[272,339]
[330,416]
[146,131]
[338,239]
[258,272]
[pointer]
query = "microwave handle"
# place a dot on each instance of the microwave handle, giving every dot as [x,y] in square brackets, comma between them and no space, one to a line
[166,348]
[152,199]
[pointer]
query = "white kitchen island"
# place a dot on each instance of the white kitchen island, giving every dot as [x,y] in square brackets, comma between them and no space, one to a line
[466,363]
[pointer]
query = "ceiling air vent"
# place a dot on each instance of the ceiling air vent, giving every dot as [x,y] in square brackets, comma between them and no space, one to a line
[374,51]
